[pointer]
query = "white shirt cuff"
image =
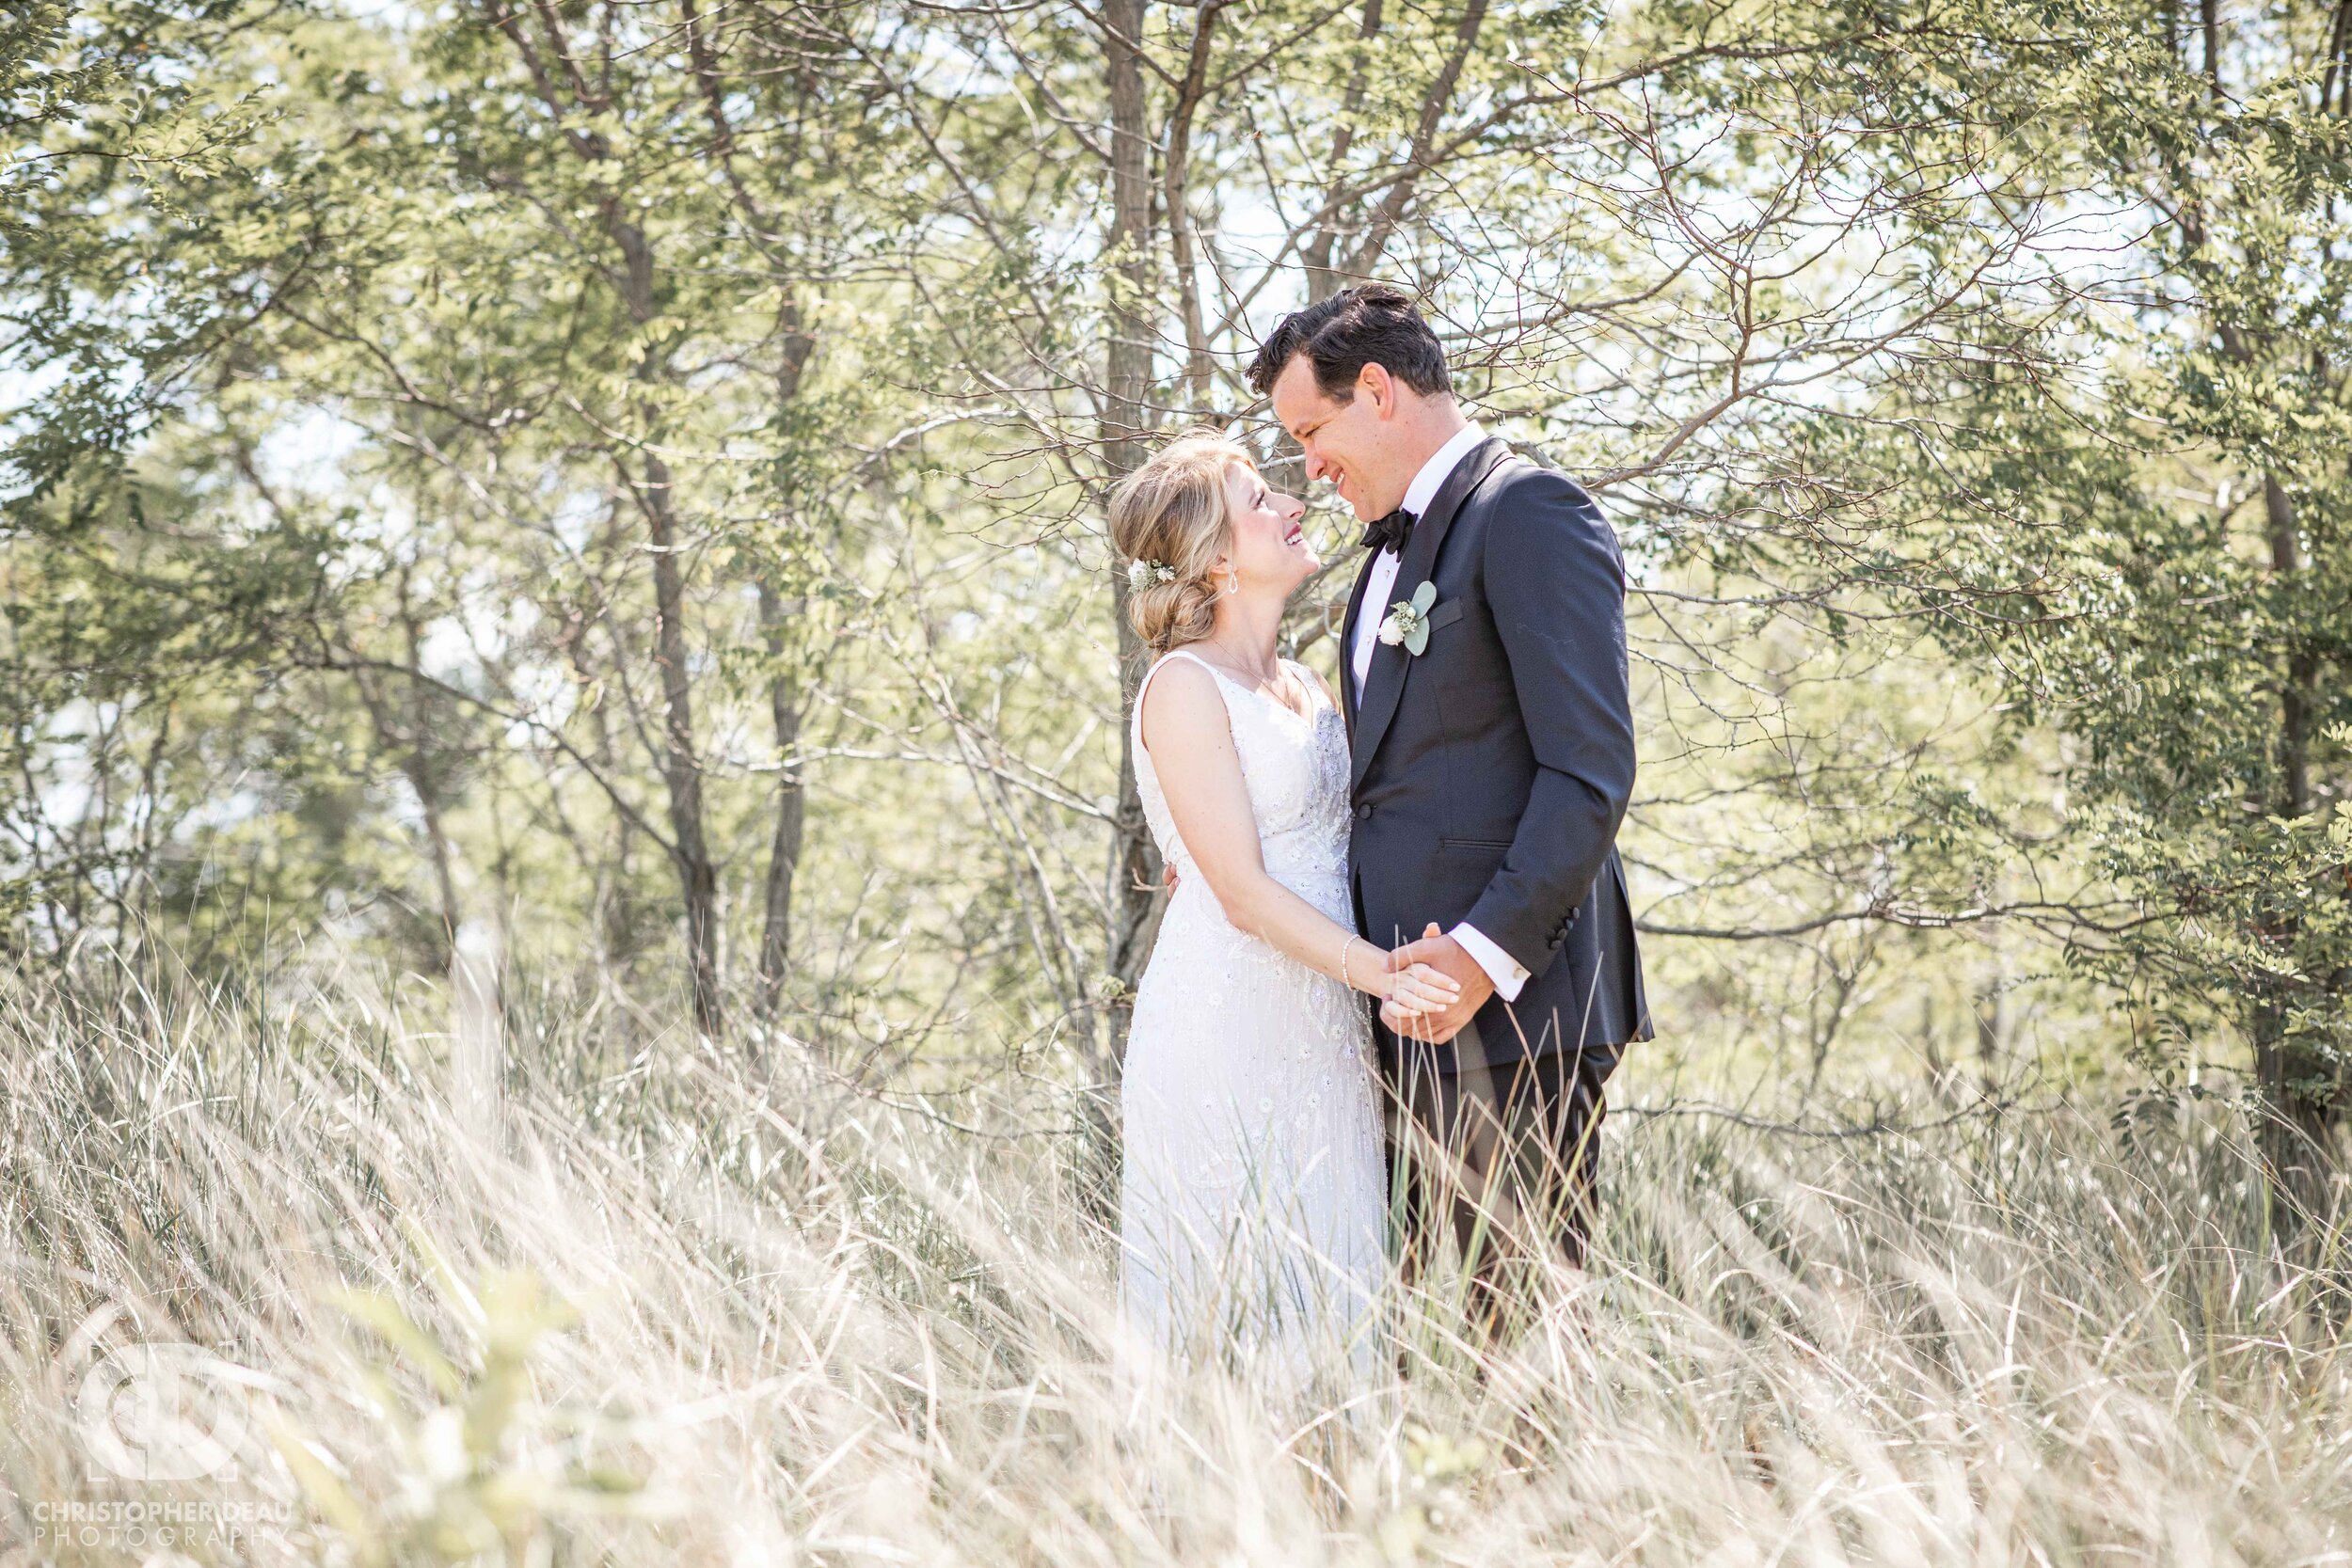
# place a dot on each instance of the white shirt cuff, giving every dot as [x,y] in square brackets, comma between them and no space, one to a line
[1502,968]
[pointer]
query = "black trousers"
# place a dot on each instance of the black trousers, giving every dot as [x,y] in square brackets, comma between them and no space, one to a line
[1499,1159]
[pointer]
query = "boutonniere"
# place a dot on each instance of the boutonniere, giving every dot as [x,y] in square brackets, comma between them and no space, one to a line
[1407,621]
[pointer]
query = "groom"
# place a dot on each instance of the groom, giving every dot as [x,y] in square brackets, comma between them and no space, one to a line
[1493,757]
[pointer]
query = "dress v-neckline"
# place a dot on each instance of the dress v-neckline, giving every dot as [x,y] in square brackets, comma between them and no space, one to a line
[1307,718]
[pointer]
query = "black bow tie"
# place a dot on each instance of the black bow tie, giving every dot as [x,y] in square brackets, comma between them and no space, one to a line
[1389,532]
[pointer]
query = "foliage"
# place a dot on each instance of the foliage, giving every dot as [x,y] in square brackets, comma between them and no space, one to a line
[621,484]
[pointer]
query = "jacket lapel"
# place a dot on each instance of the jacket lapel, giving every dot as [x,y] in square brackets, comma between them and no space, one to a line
[1384,685]
[1347,641]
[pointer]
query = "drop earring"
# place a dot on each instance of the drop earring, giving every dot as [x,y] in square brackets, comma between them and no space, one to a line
[1232,582]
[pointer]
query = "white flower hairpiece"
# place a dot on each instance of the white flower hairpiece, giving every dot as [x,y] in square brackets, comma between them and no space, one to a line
[1142,574]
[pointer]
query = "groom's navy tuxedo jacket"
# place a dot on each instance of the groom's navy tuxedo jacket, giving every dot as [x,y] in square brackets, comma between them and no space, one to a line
[1491,770]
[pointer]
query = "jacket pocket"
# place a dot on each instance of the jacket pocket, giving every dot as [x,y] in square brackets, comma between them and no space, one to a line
[1447,842]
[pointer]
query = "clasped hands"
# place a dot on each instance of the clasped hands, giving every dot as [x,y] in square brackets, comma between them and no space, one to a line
[1433,987]
[1435,990]
[1436,986]
[1450,987]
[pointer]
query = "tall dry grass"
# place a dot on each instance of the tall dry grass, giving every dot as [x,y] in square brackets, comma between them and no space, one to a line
[675,1311]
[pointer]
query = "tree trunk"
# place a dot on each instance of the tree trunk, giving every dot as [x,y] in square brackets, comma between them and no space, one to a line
[2302,1100]
[1994,1020]
[2295,700]
[681,771]
[1135,860]
[784,852]
[2299,1119]
[1176,157]
[783,705]
[1315,258]
[421,780]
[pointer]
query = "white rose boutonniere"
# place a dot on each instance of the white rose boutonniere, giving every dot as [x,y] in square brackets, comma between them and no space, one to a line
[1407,621]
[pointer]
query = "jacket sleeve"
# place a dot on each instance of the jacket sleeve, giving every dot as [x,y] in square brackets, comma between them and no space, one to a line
[1555,584]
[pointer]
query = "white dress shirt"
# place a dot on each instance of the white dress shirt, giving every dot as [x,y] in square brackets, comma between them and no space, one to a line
[1379,588]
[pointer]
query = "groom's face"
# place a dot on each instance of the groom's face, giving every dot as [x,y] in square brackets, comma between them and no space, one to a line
[1344,442]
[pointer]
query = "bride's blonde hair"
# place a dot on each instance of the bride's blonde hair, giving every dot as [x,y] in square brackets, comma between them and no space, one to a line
[1171,513]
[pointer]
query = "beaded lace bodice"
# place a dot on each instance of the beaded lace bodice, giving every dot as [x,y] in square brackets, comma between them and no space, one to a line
[1296,768]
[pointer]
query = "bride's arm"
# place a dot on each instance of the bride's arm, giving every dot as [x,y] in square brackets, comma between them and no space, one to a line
[1191,742]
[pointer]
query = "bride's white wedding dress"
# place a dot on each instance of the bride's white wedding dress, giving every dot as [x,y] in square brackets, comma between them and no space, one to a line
[1252,1205]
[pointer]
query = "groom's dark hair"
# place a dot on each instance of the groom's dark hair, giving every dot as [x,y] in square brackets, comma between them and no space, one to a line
[1371,323]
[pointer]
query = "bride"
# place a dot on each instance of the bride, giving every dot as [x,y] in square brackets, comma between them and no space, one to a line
[1254,1200]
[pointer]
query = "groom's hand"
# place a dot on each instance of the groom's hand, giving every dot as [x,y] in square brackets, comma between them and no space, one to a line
[1440,952]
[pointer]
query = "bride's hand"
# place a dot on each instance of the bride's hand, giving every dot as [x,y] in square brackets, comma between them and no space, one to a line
[1423,988]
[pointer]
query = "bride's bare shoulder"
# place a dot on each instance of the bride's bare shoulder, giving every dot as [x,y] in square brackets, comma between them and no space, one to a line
[1181,706]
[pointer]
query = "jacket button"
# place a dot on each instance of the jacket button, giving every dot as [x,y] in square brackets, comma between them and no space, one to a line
[1363,811]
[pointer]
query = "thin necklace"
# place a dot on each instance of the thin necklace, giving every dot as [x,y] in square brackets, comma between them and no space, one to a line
[1282,694]
[1243,666]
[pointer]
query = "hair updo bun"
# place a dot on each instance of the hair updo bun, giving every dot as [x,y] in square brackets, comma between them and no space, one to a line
[1171,511]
